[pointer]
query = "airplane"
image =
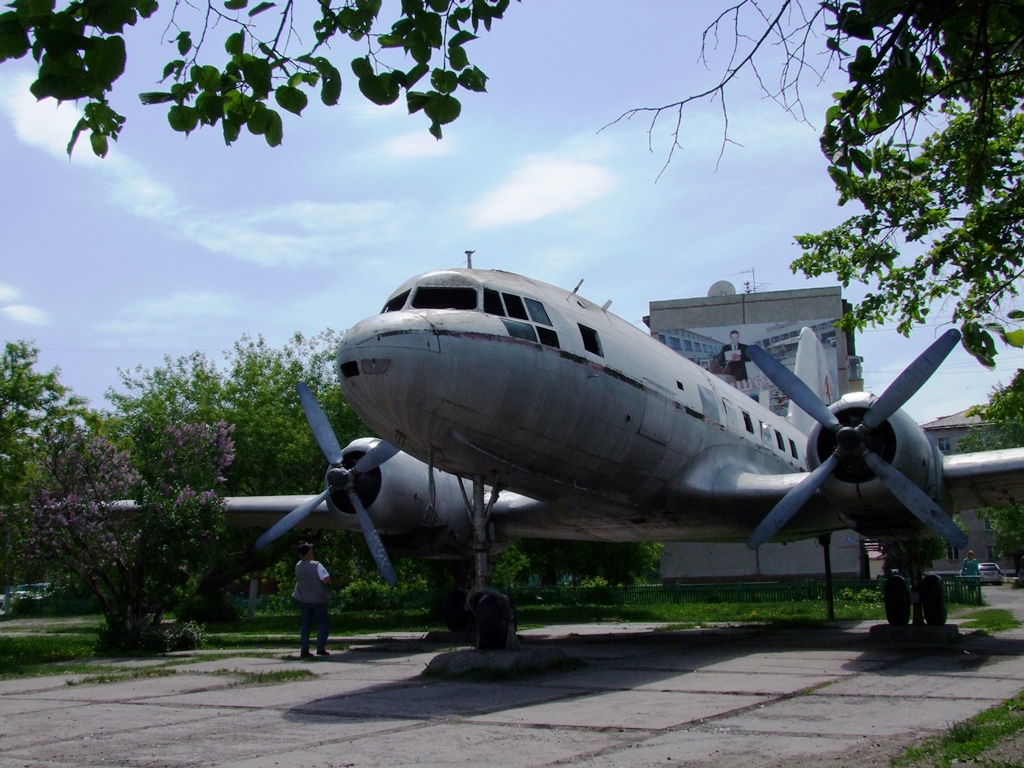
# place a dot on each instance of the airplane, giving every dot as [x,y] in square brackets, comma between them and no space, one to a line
[508,408]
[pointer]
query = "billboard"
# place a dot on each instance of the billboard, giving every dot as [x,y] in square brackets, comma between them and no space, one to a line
[722,350]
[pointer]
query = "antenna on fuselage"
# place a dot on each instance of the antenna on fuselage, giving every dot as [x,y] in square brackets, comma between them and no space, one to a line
[469,259]
[577,287]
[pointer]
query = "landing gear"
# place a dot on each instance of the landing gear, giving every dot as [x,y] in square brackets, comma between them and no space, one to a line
[897,600]
[493,612]
[455,611]
[933,600]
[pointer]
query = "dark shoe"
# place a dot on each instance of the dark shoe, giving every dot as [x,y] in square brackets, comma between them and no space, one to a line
[323,653]
[305,655]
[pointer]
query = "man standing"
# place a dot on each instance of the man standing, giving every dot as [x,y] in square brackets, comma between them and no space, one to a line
[312,596]
[733,358]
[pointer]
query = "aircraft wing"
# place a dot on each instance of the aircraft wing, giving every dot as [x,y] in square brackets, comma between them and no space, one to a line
[264,511]
[985,479]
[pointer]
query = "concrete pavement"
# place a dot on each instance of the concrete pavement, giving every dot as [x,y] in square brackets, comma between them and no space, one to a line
[643,697]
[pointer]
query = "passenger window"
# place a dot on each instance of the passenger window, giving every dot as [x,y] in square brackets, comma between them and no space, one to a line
[492,303]
[520,330]
[591,342]
[515,307]
[547,337]
[396,303]
[748,423]
[437,297]
[537,312]
[781,443]
[792,449]
[709,404]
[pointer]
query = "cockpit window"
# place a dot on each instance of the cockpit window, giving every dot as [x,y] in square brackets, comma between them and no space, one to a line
[515,307]
[396,303]
[520,330]
[492,303]
[537,312]
[441,297]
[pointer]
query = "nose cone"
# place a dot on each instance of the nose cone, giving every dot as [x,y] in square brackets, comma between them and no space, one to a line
[380,361]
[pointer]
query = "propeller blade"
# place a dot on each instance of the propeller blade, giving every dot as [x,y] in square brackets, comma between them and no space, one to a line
[794,387]
[911,380]
[916,500]
[380,555]
[790,504]
[376,456]
[290,520]
[320,424]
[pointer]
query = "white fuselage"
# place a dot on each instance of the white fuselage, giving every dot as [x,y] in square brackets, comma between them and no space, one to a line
[538,390]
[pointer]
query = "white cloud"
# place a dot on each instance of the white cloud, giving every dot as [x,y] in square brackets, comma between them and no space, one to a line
[542,187]
[7,293]
[25,314]
[420,144]
[176,313]
[44,124]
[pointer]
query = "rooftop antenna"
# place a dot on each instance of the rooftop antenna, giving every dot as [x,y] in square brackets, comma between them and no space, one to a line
[577,287]
[751,285]
[469,259]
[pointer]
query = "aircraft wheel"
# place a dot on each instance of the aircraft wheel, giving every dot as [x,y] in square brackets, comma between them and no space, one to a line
[491,623]
[897,600]
[933,600]
[456,614]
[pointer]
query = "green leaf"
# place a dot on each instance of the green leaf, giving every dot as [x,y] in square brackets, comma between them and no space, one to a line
[444,81]
[380,89]
[155,97]
[330,89]
[291,99]
[235,5]
[261,8]
[274,133]
[146,8]
[473,79]
[105,59]
[231,131]
[235,44]
[442,108]
[207,77]
[461,38]
[183,119]
[99,144]
[415,101]
[184,43]
[362,67]
[1016,314]
[458,59]
[414,75]
[1015,338]
[258,74]
[14,42]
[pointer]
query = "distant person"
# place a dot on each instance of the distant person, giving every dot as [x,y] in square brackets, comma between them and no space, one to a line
[733,358]
[311,594]
[970,566]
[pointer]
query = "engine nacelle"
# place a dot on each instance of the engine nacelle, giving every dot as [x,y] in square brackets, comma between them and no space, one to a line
[860,496]
[411,520]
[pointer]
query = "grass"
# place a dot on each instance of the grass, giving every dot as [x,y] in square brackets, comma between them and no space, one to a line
[29,655]
[267,678]
[120,674]
[968,741]
[991,620]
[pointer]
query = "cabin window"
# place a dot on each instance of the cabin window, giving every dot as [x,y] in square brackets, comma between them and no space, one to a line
[520,330]
[440,297]
[515,307]
[492,303]
[350,369]
[547,336]
[537,312]
[747,422]
[396,303]
[779,441]
[709,404]
[591,342]
[679,385]
[792,449]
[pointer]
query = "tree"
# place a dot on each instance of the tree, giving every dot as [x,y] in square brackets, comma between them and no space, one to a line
[81,53]
[30,403]
[133,556]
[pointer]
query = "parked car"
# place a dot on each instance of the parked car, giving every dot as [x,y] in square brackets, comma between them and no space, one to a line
[990,573]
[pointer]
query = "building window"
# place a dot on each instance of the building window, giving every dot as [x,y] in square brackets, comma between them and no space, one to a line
[987,522]
[990,553]
[952,553]
[945,444]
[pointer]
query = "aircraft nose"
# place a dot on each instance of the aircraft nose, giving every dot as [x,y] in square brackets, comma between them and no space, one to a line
[373,338]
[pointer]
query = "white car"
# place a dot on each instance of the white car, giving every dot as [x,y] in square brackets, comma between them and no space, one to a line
[990,573]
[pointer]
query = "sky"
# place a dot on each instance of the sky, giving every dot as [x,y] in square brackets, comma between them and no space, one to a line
[173,244]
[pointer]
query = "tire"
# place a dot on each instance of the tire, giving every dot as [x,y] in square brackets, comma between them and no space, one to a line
[933,600]
[897,600]
[457,616]
[491,626]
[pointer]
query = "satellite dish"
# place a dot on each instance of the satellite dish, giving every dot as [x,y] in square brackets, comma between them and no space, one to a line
[722,288]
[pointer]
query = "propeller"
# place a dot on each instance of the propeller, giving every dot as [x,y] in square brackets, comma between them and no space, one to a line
[851,442]
[339,480]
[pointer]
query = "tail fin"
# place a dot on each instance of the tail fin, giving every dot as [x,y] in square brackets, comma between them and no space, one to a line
[811,367]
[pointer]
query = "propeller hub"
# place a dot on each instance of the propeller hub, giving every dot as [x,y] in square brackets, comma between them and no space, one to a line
[338,479]
[848,439]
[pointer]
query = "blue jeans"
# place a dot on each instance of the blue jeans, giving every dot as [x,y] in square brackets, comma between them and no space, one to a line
[309,612]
